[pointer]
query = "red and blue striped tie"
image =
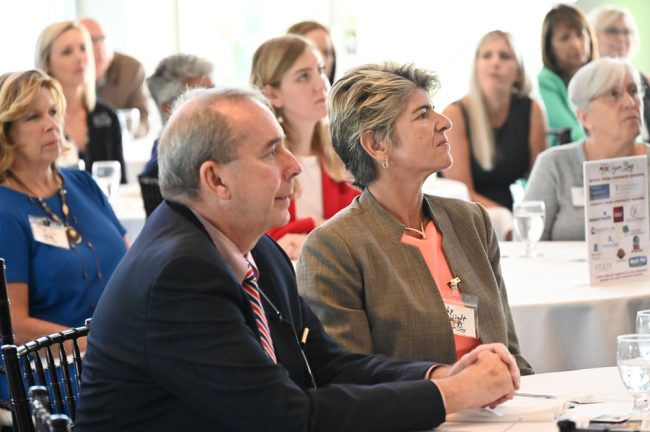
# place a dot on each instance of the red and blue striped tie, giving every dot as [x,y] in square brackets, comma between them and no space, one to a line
[252,292]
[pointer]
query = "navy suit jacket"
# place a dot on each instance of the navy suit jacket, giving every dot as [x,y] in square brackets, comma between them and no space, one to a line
[174,346]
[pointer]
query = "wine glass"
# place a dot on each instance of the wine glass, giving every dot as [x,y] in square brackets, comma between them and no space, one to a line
[643,321]
[633,360]
[107,174]
[529,224]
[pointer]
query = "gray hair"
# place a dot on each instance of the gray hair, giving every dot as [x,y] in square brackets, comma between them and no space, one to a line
[370,98]
[597,76]
[168,82]
[199,130]
[603,17]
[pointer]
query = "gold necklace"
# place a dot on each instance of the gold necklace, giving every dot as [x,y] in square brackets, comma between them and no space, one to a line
[420,231]
[73,235]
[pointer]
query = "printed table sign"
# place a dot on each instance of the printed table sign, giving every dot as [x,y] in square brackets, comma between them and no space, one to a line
[616,218]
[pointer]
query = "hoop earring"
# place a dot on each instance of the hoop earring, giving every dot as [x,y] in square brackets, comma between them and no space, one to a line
[385,164]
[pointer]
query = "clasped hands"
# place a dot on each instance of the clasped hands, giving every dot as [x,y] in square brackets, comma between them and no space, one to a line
[485,377]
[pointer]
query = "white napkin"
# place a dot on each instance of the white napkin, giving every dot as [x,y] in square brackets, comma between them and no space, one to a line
[519,409]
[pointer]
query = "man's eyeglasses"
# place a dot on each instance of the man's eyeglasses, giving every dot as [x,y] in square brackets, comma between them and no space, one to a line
[615,31]
[615,94]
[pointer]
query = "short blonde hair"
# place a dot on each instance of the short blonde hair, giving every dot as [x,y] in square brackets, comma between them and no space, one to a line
[370,98]
[18,91]
[44,51]
[482,139]
[270,62]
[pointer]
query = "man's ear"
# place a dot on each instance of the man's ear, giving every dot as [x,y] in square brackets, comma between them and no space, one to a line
[211,178]
[375,148]
[273,95]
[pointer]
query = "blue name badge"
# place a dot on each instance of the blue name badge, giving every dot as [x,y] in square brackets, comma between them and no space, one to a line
[600,191]
[638,261]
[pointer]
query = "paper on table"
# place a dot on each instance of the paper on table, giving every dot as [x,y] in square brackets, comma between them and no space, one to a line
[523,409]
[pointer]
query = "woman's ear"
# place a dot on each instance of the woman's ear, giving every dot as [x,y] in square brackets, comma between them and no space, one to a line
[211,178]
[583,118]
[273,95]
[375,148]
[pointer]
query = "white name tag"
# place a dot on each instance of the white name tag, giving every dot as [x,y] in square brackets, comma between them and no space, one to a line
[48,232]
[578,196]
[462,319]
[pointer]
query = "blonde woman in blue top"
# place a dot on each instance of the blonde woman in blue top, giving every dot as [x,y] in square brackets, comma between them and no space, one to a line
[59,237]
[568,43]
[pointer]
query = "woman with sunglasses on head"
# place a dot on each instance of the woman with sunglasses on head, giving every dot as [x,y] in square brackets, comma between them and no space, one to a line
[607,95]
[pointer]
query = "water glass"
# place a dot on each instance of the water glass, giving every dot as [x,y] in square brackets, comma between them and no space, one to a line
[107,175]
[529,224]
[643,321]
[633,360]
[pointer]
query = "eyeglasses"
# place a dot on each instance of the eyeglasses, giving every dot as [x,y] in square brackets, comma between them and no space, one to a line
[615,94]
[614,31]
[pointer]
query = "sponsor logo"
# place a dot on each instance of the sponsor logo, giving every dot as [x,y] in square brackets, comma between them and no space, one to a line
[638,261]
[618,214]
[600,191]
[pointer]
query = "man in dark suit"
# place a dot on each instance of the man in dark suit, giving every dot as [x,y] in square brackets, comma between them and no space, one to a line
[180,342]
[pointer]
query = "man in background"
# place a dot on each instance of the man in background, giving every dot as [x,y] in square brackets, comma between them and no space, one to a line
[119,78]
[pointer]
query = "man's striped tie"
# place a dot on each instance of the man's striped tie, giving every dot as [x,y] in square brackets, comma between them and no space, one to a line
[252,292]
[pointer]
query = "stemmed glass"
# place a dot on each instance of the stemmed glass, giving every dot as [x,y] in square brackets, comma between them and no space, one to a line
[529,224]
[643,321]
[633,360]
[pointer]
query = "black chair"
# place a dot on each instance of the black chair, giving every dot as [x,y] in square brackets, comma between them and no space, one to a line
[559,135]
[44,421]
[151,196]
[25,369]
[6,337]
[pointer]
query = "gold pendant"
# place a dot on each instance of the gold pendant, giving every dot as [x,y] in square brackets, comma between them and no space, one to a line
[73,235]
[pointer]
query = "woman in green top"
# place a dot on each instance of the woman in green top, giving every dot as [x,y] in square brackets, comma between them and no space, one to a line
[567,44]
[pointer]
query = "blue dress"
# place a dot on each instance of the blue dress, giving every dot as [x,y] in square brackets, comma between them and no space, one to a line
[64,284]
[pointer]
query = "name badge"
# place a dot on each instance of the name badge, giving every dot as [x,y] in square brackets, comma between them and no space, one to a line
[48,232]
[462,316]
[578,196]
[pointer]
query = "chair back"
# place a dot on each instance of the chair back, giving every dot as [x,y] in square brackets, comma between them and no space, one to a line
[151,196]
[559,136]
[44,420]
[6,331]
[33,363]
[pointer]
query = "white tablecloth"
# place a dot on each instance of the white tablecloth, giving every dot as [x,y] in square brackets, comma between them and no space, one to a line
[563,322]
[603,383]
[129,209]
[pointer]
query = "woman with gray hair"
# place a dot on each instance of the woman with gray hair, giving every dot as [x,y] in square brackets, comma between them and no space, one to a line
[397,272]
[617,36]
[606,95]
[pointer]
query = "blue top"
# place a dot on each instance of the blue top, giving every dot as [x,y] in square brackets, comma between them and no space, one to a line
[559,113]
[64,284]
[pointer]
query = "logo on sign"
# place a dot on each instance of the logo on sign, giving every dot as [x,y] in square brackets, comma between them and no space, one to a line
[618,214]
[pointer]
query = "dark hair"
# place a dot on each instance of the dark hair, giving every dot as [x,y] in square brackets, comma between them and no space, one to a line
[574,19]
[304,27]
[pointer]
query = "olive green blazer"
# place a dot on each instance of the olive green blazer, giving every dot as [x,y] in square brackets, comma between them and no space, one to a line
[375,294]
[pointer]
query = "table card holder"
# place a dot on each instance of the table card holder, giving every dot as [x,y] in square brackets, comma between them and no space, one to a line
[616,218]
